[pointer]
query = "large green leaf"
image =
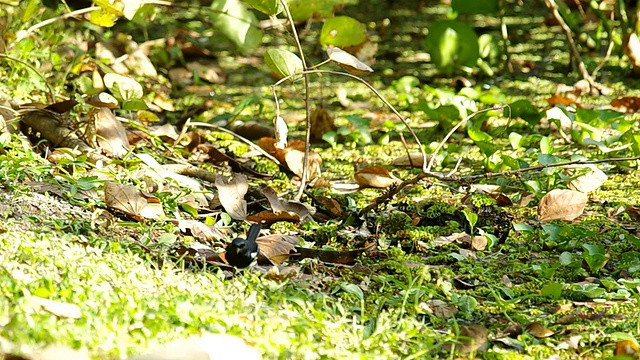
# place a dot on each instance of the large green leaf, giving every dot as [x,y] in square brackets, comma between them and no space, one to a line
[452,44]
[342,31]
[282,62]
[237,23]
[267,7]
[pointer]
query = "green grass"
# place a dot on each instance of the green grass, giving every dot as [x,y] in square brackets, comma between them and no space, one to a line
[127,304]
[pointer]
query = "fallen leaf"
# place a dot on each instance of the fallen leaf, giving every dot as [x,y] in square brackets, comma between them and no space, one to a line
[626,103]
[278,205]
[536,329]
[268,217]
[200,230]
[282,273]
[332,205]
[294,158]
[231,194]
[440,308]
[472,338]
[132,202]
[110,134]
[414,159]
[479,242]
[376,177]
[561,204]
[277,248]
[588,182]
[210,73]
[321,123]
[560,100]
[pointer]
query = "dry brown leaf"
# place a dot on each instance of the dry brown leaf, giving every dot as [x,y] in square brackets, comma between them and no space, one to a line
[210,73]
[294,158]
[440,308]
[348,62]
[588,182]
[561,204]
[321,123]
[166,130]
[136,204]
[231,194]
[277,247]
[110,134]
[278,205]
[457,237]
[252,130]
[268,217]
[282,273]
[333,206]
[412,159]
[472,338]
[626,103]
[560,100]
[536,329]
[140,64]
[200,230]
[376,177]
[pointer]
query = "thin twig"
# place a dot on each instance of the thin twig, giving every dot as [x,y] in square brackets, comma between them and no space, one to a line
[387,196]
[243,139]
[551,5]
[377,93]
[307,147]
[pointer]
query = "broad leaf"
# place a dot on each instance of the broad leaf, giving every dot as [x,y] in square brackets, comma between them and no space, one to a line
[237,23]
[282,62]
[267,7]
[342,31]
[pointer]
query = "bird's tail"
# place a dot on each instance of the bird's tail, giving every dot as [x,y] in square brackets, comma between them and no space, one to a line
[254,231]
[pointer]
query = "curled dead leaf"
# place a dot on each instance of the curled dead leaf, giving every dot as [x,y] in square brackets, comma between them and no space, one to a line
[348,62]
[536,329]
[279,205]
[376,177]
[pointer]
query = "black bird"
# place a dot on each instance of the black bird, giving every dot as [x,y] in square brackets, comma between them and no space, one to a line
[242,252]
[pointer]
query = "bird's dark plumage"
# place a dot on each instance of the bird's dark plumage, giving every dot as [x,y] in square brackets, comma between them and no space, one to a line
[242,252]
